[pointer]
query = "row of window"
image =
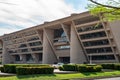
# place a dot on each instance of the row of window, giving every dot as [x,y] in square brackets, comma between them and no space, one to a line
[93,35]
[99,50]
[19,35]
[103,57]
[89,28]
[96,43]
[29,57]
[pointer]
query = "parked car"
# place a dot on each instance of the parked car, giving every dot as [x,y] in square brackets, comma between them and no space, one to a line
[56,66]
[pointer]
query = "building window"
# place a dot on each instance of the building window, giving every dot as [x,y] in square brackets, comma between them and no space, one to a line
[33,38]
[63,47]
[89,28]
[93,35]
[17,58]
[40,56]
[22,45]
[35,43]
[99,50]
[24,50]
[37,49]
[103,57]
[29,57]
[64,59]
[95,43]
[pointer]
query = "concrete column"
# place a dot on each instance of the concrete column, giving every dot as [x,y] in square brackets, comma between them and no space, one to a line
[48,52]
[7,58]
[76,53]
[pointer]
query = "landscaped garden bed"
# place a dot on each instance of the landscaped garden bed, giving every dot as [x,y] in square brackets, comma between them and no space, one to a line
[45,72]
[25,69]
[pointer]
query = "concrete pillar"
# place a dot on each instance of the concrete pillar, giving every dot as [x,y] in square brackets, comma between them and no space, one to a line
[76,53]
[48,52]
[7,58]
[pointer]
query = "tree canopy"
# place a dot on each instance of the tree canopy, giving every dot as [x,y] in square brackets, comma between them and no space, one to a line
[110,10]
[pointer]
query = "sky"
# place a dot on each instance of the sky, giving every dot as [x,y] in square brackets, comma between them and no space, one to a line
[20,14]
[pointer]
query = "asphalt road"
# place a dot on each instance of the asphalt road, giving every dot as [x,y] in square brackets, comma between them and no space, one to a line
[116,78]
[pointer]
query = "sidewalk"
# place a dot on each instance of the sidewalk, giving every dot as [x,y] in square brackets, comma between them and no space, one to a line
[6,74]
[57,71]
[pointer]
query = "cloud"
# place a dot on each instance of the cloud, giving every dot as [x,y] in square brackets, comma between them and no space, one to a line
[20,14]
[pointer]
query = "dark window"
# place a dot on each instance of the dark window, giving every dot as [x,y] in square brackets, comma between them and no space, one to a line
[29,57]
[40,56]
[58,33]
[22,45]
[24,50]
[33,38]
[17,58]
[95,43]
[86,20]
[93,35]
[89,28]
[35,43]
[37,49]
[99,50]
[103,57]
[64,59]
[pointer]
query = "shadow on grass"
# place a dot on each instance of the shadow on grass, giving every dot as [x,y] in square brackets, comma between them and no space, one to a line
[35,75]
[91,73]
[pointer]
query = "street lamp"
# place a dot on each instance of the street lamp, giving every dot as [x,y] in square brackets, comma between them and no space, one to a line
[90,58]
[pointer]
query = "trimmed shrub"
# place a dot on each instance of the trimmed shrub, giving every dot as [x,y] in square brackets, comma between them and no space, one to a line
[98,68]
[108,66]
[117,66]
[11,68]
[69,67]
[2,69]
[87,68]
[61,68]
[82,68]
[34,70]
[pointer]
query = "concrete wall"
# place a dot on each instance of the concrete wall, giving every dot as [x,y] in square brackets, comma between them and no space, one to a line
[48,53]
[115,28]
[76,53]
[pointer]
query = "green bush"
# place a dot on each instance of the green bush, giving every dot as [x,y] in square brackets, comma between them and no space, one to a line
[34,70]
[69,67]
[2,69]
[82,68]
[108,66]
[11,68]
[117,66]
[61,68]
[98,68]
[89,68]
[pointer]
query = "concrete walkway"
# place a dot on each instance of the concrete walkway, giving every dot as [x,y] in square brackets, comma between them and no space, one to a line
[6,74]
[115,78]
[57,71]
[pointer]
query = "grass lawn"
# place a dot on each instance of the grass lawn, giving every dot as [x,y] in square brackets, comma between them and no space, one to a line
[61,76]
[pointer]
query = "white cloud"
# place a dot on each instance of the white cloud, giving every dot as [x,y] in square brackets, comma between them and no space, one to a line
[27,13]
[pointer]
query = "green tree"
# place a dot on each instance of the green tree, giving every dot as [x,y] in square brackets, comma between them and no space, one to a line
[110,10]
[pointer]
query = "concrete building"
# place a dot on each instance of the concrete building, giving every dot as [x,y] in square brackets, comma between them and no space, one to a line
[79,38]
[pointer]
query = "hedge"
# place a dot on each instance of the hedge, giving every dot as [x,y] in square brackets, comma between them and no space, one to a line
[108,66]
[69,67]
[11,68]
[34,70]
[81,67]
[1,68]
[114,66]
[87,68]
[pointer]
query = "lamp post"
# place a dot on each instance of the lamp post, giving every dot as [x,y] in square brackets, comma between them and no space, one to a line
[90,58]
